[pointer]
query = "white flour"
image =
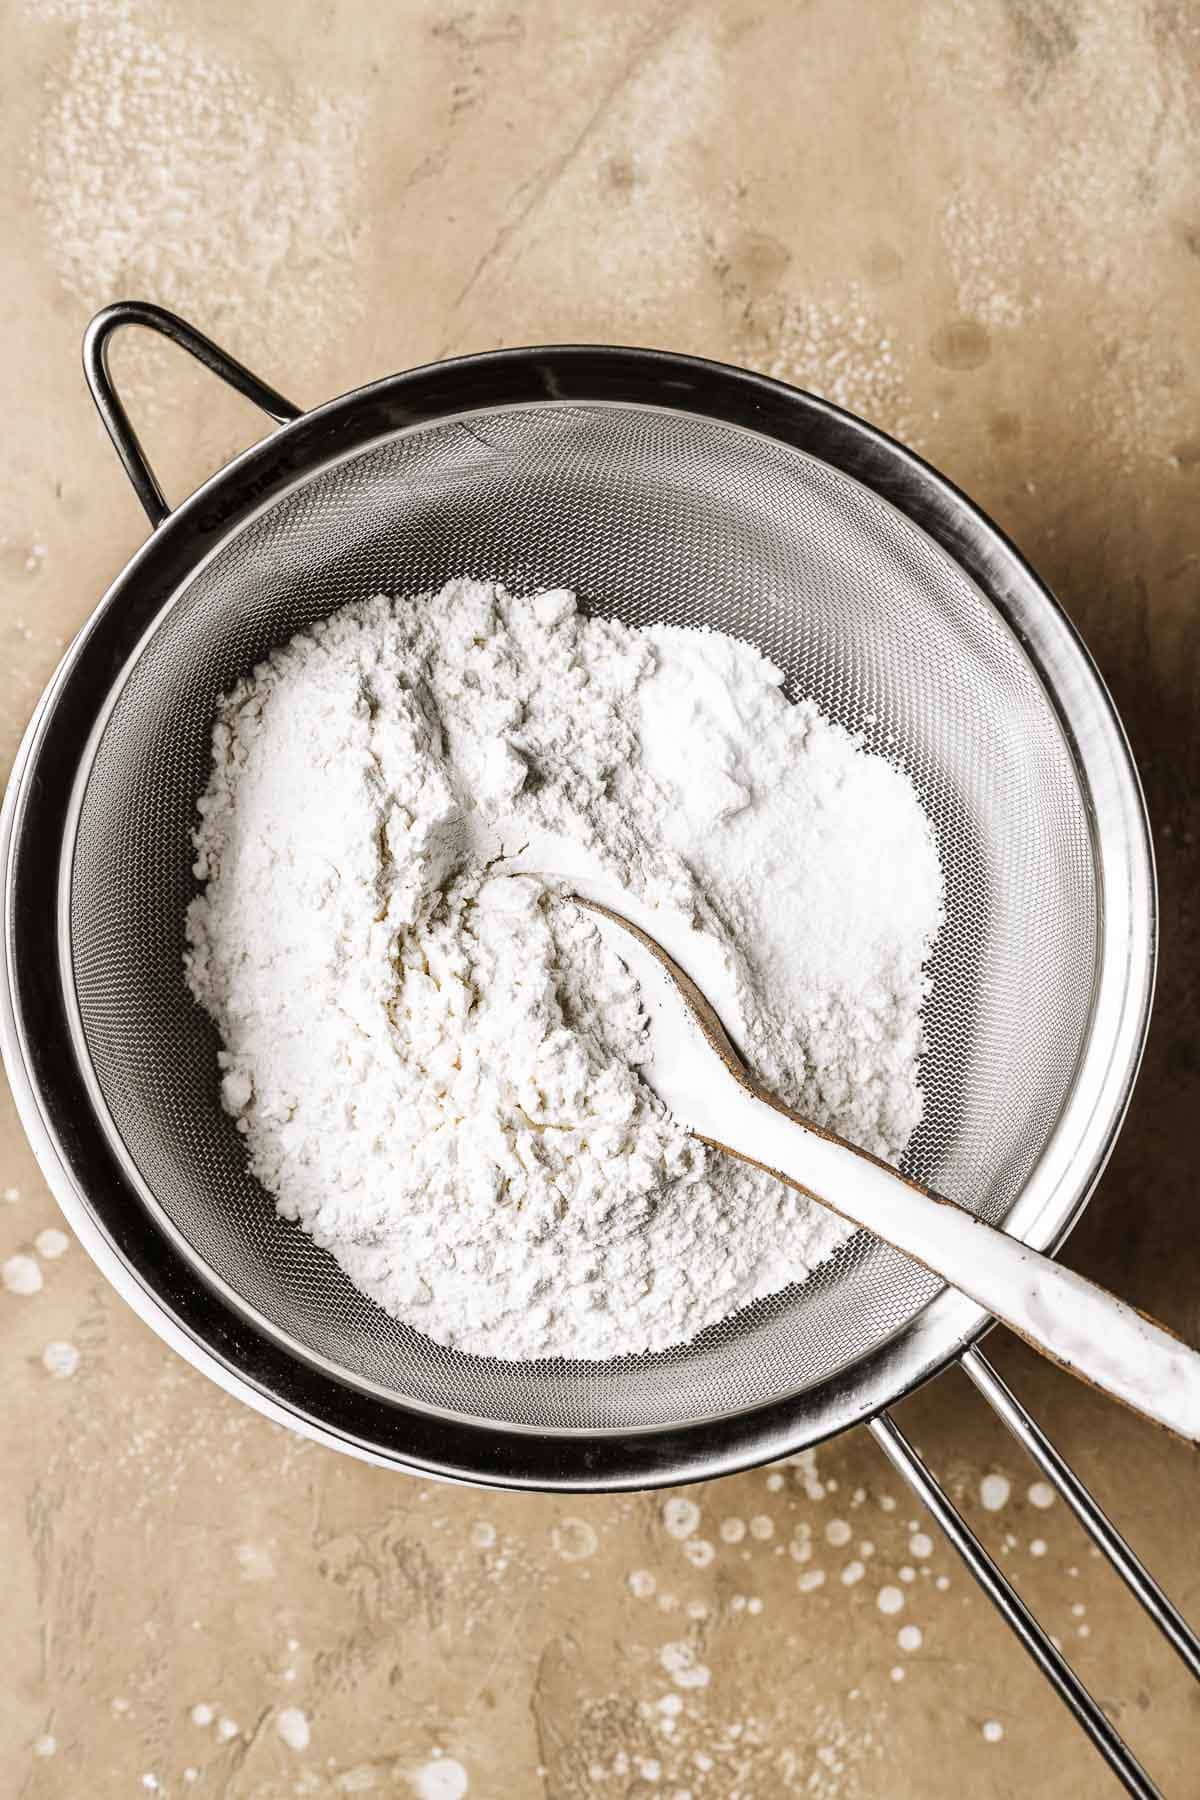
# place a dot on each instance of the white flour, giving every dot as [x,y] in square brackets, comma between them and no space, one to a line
[214,183]
[434,1062]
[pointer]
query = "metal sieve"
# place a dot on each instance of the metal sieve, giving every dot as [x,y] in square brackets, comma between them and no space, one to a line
[659,488]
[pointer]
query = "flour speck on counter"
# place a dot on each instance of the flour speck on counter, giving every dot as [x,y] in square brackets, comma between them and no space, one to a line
[430,1051]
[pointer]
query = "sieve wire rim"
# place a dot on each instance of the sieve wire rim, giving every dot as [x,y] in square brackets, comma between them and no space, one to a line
[65,937]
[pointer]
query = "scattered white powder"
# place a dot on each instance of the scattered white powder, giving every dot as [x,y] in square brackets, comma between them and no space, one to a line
[837,1533]
[21,1275]
[897,1673]
[733,1530]
[46,1745]
[853,1573]
[811,1578]
[909,1637]
[226,1729]
[1041,1494]
[52,1242]
[434,1062]
[202,1713]
[841,348]
[889,1600]
[11,1195]
[641,1584]
[361,1779]
[1092,202]
[805,1463]
[699,1552]
[920,1545]
[992,1731]
[60,1359]
[292,1727]
[441,1779]
[680,1516]
[483,1535]
[994,1491]
[257,1563]
[1037,1547]
[574,1540]
[681,1664]
[243,177]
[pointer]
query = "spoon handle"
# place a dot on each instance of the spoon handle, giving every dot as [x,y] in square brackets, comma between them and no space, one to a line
[1070,1320]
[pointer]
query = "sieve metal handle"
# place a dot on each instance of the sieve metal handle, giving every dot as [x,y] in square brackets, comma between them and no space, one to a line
[1099,1527]
[110,406]
[1000,1591]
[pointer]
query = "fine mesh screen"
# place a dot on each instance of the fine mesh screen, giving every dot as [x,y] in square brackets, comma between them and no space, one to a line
[649,515]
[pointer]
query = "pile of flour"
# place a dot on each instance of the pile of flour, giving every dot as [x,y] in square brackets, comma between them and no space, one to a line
[434,1059]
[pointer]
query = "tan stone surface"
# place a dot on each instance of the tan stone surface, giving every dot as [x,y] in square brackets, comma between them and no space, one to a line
[979,225]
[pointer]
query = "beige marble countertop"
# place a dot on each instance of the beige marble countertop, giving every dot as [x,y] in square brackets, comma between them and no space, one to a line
[978,224]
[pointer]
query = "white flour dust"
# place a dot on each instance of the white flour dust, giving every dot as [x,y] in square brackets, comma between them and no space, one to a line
[21,1275]
[434,1060]
[60,1359]
[202,179]
[844,350]
[293,1727]
[442,1779]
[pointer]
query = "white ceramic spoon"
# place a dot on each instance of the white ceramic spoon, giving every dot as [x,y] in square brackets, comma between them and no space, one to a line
[695,1070]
